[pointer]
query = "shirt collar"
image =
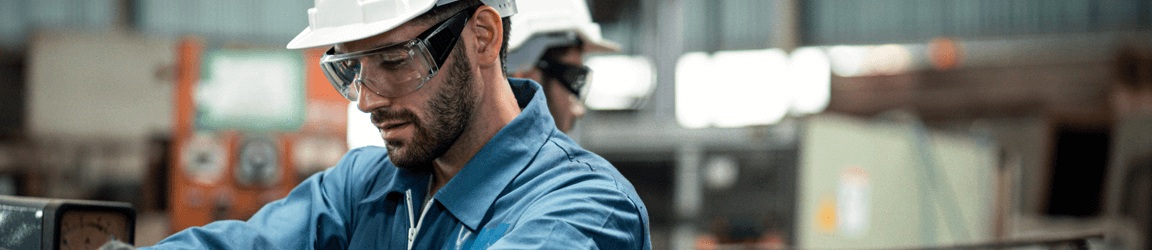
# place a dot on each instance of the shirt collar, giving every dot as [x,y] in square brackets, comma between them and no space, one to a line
[392,180]
[473,190]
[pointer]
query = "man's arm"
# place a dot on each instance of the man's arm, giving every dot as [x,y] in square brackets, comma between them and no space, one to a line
[313,215]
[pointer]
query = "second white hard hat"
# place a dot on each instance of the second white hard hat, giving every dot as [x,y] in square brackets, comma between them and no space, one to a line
[337,21]
[542,24]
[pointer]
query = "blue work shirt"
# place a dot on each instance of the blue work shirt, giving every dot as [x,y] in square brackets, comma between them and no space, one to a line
[530,187]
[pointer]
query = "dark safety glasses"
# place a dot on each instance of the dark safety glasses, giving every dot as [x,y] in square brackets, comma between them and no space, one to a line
[571,76]
[395,70]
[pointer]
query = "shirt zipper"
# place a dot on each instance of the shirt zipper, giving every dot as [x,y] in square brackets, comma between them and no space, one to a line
[413,228]
[411,219]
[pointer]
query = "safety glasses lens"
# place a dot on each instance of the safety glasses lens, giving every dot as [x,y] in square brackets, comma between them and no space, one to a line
[396,70]
[389,72]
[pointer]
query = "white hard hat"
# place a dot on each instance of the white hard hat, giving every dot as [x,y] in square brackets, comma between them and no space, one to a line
[337,21]
[535,28]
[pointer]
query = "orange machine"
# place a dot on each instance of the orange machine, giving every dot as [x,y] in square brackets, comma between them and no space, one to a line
[228,164]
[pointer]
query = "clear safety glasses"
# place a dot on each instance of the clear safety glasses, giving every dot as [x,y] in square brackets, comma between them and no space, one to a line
[571,76]
[395,70]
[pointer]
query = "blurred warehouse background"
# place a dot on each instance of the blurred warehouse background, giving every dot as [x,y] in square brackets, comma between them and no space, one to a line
[821,124]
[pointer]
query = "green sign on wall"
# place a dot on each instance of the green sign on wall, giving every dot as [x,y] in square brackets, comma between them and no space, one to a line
[251,90]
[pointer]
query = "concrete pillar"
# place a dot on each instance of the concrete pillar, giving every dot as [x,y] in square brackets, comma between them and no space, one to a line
[663,25]
[688,195]
[787,18]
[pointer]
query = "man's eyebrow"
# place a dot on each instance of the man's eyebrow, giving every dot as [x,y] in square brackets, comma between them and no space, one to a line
[387,44]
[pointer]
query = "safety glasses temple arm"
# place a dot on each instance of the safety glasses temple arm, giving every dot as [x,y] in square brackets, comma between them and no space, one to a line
[440,40]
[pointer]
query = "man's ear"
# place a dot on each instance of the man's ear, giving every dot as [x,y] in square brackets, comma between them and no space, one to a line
[489,34]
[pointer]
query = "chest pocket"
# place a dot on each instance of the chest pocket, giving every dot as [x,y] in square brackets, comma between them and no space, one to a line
[486,238]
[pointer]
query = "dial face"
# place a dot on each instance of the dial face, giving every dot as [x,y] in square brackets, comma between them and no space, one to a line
[91,229]
[259,164]
[203,158]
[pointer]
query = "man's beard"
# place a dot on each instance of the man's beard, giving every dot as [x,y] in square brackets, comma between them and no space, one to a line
[450,109]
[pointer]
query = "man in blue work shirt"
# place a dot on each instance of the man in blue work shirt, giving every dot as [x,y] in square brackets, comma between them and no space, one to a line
[473,159]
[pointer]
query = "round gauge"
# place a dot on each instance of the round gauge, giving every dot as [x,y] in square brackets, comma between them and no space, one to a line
[258,163]
[91,229]
[202,158]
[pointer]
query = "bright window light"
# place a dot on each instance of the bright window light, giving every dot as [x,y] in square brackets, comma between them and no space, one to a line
[731,88]
[870,60]
[848,61]
[361,132]
[811,80]
[750,87]
[691,74]
[618,82]
[888,59]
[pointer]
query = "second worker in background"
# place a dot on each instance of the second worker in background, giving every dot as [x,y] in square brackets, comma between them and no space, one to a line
[548,44]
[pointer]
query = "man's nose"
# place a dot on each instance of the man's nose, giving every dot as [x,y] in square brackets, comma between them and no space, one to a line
[369,100]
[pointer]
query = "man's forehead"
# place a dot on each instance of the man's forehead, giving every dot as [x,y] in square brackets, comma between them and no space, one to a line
[400,34]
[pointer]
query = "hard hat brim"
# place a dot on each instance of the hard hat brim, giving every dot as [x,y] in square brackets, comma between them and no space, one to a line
[528,49]
[602,46]
[310,38]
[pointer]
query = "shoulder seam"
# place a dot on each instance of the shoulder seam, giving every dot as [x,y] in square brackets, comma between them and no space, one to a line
[572,157]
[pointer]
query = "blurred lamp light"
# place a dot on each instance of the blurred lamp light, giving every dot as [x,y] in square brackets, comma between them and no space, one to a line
[618,82]
[944,53]
[721,172]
